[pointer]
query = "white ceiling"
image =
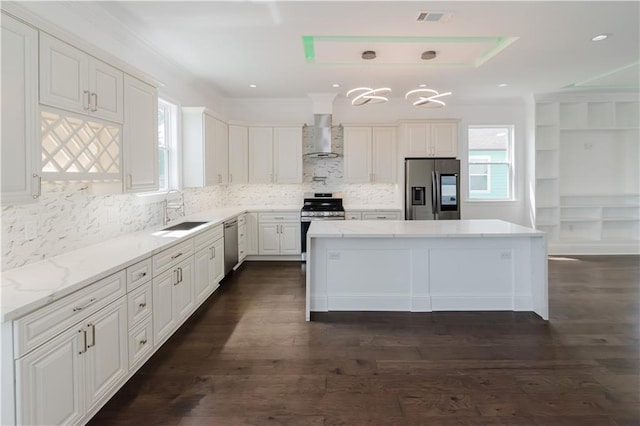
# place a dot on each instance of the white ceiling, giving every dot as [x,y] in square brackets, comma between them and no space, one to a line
[233,44]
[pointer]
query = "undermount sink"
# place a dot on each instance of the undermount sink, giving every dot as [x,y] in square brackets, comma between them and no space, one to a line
[184,226]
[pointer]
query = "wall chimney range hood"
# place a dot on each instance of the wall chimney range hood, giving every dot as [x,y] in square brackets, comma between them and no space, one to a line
[322,137]
[322,107]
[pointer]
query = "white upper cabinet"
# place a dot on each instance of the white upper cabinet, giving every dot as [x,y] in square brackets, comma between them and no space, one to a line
[260,155]
[21,163]
[383,154]
[430,139]
[275,155]
[74,81]
[369,154]
[140,136]
[205,148]
[287,154]
[238,154]
[357,154]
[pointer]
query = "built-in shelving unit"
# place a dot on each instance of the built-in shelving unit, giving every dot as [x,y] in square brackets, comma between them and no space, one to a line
[587,179]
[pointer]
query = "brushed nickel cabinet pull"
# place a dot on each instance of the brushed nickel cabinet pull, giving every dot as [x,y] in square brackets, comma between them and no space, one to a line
[143,305]
[175,256]
[87,100]
[38,185]
[143,342]
[93,335]
[84,332]
[79,308]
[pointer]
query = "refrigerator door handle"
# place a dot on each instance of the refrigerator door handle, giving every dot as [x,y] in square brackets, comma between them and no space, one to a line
[434,196]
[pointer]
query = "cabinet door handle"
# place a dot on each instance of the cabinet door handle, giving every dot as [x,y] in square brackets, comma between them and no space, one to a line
[141,275]
[93,102]
[143,342]
[143,305]
[38,186]
[175,256]
[230,177]
[177,277]
[79,308]
[93,335]
[129,181]
[180,272]
[87,100]
[84,332]
[211,253]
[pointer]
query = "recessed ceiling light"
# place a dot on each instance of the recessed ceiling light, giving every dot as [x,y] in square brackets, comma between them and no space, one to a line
[600,37]
[502,85]
[335,85]
[253,86]
[422,85]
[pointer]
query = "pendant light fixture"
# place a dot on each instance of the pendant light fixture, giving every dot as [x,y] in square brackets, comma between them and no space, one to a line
[428,98]
[368,95]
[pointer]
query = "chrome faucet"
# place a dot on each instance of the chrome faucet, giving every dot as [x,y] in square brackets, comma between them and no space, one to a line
[175,205]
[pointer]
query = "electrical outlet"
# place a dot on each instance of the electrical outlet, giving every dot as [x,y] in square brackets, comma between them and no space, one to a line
[30,230]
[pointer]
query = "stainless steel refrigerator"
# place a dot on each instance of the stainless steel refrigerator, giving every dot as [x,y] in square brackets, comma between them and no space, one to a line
[432,189]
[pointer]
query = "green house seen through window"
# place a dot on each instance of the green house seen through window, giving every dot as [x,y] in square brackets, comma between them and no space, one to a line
[490,163]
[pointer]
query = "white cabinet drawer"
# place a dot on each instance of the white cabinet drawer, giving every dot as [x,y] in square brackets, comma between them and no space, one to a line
[207,238]
[381,216]
[140,343]
[139,274]
[140,304]
[353,216]
[41,325]
[279,216]
[172,256]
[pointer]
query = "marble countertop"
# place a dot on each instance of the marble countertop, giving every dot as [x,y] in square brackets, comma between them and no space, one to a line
[33,286]
[369,207]
[419,229]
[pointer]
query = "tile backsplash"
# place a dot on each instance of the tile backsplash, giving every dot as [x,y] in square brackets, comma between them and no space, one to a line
[68,217]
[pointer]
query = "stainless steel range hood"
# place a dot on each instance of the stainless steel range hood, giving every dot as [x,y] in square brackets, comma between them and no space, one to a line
[322,141]
[322,137]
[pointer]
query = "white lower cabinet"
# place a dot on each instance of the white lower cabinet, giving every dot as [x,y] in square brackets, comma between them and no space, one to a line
[48,382]
[62,380]
[173,299]
[373,215]
[208,263]
[252,233]
[107,360]
[279,233]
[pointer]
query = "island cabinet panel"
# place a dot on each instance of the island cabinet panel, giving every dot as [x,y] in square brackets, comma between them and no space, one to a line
[423,267]
[486,282]
[382,285]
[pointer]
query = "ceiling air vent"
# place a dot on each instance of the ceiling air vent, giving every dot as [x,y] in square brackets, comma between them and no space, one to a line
[430,16]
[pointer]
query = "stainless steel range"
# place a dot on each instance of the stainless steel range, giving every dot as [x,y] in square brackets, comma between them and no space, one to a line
[319,206]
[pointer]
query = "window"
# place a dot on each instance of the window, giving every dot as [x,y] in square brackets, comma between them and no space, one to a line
[167,145]
[490,163]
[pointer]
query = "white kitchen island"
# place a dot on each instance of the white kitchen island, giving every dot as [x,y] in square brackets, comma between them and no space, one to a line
[424,266]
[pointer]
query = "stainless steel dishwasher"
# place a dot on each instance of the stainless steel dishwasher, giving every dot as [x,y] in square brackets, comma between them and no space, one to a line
[230,245]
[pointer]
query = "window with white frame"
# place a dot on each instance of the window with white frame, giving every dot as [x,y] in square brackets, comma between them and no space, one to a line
[490,161]
[167,145]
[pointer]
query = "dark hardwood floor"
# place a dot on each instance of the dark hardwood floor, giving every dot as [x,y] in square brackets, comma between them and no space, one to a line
[247,357]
